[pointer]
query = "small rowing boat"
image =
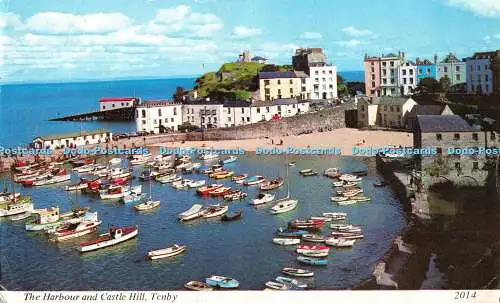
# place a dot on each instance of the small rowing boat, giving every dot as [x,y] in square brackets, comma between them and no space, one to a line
[237,215]
[297,272]
[293,282]
[205,190]
[230,159]
[272,184]
[254,180]
[198,286]
[277,285]
[194,212]
[234,195]
[340,242]
[308,172]
[312,261]
[222,282]
[171,251]
[286,241]
[221,191]
[302,248]
[239,178]
[313,238]
[215,211]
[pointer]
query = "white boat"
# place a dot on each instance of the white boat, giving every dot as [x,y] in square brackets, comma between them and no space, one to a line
[324,219]
[181,183]
[53,180]
[230,159]
[139,159]
[346,227]
[194,212]
[335,215]
[294,282]
[339,198]
[133,197]
[348,202]
[73,230]
[50,218]
[297,272]
[350,178]
[352,192]
[115,161]
[347,235]
[115,236]
[209,156]
[78,186]
[277,285]
[16,208]
[197,183]
[84,168]
[286,241]
[20,217]
[115,193]
[284,206]
[168,178]
[315,253]
[166,252]
[147,205]
[215,211]
[340,242]
[6,196]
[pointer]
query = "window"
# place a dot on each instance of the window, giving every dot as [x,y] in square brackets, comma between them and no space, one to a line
[303,81]
[439,150]
[266,82]
[229,109]
[411,80]
[154,121]
[398,109]
[385,108]
[248,119]
[404,80]
[279,91]
[143,122]
[242,119]
[384,64]
[175,111]
[362,116]
[330,72]
[267,109]
[439,137]
[166,120]
[242,110]
[172,120]
[392,63]
[330,86]
[373,83]
[475,165]
[229,119]
[316,72]
[486,78]
[458,77]
[103,107]
[144,113]
[404,72]
[159,112]
[492,136]
[279,108]
[214,112]
[445,69]
[279,81]
[112,105]
[215,119]
[456,137]
[258,110]
[392,108]
[291,91]
[428,71]
[122,103]
[475,137]
[457,68]
[411,72]
[373,69]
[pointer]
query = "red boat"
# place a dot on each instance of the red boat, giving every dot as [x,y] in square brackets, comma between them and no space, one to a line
[312,247]
[119,181]
[205,190]
[221,191]
[306,224]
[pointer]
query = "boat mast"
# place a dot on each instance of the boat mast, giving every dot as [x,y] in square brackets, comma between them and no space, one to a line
[287,176]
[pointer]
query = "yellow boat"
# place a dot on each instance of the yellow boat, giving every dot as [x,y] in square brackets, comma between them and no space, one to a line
[224,175]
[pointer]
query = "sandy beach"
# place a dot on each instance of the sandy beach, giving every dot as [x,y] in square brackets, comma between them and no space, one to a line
[344,139]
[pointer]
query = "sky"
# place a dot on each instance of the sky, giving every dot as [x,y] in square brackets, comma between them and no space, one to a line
[64,40]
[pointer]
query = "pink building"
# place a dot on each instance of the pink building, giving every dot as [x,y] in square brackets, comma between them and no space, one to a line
[372,76]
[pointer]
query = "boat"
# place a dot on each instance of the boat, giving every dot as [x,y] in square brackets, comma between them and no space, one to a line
[134,198]
[84,168]
[272,184]
[20,206]
[205,190]
[166,252]
[115,161]
[312,261]
[234,195]
[222,282]
[335,216]
[115,236]
[81,162]
[218,172]
[262,198]
[221,191]
[302,248]
[340,242]
[380,184]
[139,159]
[339,198]
[181,184]
[238,178]
[332,172]
[197,183]
[228,160]
[315,254]
[361,198]
[294,282]
[347,202]
[215,211]
[308,172]
[194,212]
[213,169]
[293,163]
[76,186]
[347,235]
[168,178]
[313,238]
[146,175]
[305,224]
[198,286]
[345,227]
[349,177]
[115,192]
[237,215]
[319,218]
[209,156]
[254,180]
[284,206]
[297,272]
[277,285]
[290,233]
[223,175]
[352,192]
[349,185]
[286,241]
[147,205]
[61,177]
[71,230]
[20,217]
[5,196]
[52,218]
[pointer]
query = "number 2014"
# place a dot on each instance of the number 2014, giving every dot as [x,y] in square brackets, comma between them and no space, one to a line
[464,295]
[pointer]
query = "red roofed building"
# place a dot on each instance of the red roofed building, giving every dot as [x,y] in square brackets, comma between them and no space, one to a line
[115,103]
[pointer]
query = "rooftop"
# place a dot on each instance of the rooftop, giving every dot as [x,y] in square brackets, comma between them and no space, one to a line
[157,103]
[117,99]
[446,123]
[426,110]
[281,75]
[74,134]
[257,58]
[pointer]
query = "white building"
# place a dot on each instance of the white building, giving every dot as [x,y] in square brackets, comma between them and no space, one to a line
[115,103]
[389,70]
[75,139]
[407,78]
[158,116]
[479,73]
[203,113]
[322,82]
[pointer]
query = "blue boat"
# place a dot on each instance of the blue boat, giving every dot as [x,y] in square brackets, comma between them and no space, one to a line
[133,198]
[222,282]
[281,232]
[231,159]
[312,261]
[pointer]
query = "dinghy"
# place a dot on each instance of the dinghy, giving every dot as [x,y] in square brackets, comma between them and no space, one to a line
[277,285]
[312,261]
[194,212]
[166,252]
[262,198]
[340,242]
[222,282]
[286,241]
[297,272]
[198,286]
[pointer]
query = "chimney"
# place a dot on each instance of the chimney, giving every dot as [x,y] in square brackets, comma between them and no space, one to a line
[435,59]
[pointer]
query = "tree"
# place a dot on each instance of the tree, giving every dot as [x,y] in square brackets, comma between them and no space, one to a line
[428,86]
[341,87]
[179,94]
[445,84]
[270,68]
[439,167]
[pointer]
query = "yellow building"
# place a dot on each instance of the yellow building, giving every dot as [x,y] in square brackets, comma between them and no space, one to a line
[282,85]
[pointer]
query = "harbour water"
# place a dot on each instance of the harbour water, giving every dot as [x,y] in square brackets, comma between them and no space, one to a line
[240,249]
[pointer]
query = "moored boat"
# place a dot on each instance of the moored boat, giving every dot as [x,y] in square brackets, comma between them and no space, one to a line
[71,230]
[346,227]
[302,248]
[229,159]
[77,186]
[21,205]
[198,286]
[223,175]
[115,236]
[51,218]
[147,205]
[234,195]
[308,172]
[313,238]
[286,241]
[239,178]
[194,212]
[293,282]
[277,285]
[335,216]
[20,217]
[171,251]
[254,180]
[114,161]
[231,217]
[262,199]
[312,261]
[349,177]
[182,184]
[209,156]
[61,177]
[222,282]
[197,183]
[332,172]
[284,206]
[315,253]
[221,191]
[205,190]
[272,184]
[215,211]
[339,198]
[290,233]
[134,198]
[297,272]
[340,242]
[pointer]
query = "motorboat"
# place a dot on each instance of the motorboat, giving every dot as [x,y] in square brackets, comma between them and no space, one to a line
[198,286]
[215,211]
[290,233]
[308,172]
[168,178]
[7,196]
[231,217]
[171,251]
[209,156]
[347,202]
[297,272]
[332,172]
[277,285]
[20,206]
[77,186]
[284,206]
[20,217]
[146,175]
[293,282]
[181,184]
[71,230]
[350,178]
[147,205]
[229,159]
[139,159]
[272,184]
[262,199]
[221,191]
[115,236]
[340,242]
[213,169]
[197,183]
[134,198]
[115,192]
[194,212]
[239,178]
[233,195]
[286,241]
[51,218]
[313,238]
[303,248]
[205,190]
[222,282]
[312,261]
[61,177]
[254,180]
[293,163]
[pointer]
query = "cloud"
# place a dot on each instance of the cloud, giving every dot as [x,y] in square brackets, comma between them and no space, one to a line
[487,8]
[246,32]
[9,20]
[487,39]
[355,32]
[181,20]
[311,35]
[349,43]
[63,23]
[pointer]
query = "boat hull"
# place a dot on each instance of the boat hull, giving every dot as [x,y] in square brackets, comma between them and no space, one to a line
[108,243]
